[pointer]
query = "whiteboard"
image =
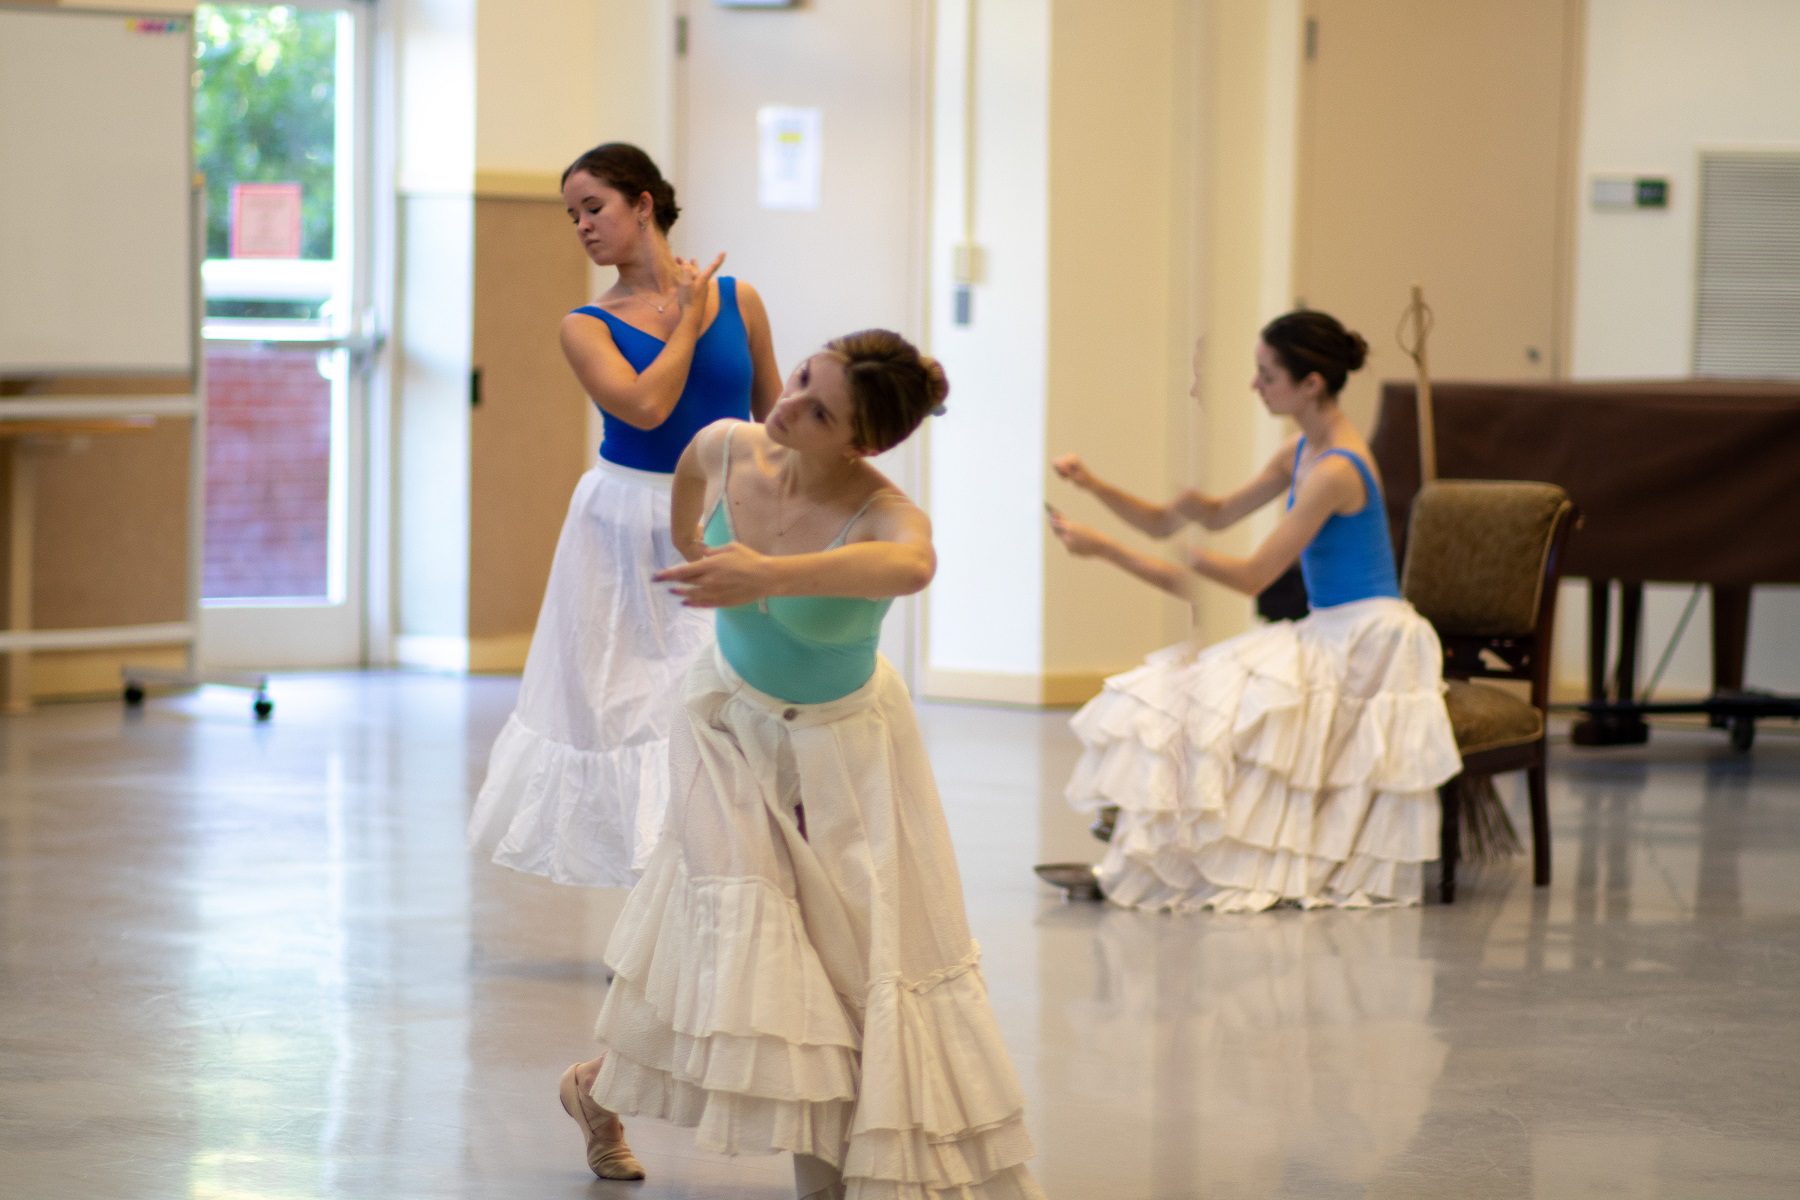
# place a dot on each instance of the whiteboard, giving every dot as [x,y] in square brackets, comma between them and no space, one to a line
[97,264]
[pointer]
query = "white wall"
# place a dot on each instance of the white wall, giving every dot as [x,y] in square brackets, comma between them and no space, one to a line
[433,63]
[1664,80]
[985,475]
[435,96]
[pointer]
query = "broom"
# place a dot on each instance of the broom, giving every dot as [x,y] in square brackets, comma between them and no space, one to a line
[1487,830]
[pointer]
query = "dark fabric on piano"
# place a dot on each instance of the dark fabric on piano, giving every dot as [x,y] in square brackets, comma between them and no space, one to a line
[1675,480]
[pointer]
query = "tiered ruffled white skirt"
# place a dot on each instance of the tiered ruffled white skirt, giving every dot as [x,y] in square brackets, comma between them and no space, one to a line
[578,779]
[1294,763]
[819,994]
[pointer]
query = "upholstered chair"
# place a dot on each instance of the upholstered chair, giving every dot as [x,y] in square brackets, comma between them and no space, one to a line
[1482,565]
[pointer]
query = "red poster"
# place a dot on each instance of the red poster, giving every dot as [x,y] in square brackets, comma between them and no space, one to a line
[265,220]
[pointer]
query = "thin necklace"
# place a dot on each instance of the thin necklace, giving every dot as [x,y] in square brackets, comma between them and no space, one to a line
[645,295]
[782,526]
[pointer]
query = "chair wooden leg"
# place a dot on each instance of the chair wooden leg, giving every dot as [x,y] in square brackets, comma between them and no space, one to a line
[1449,840]
[1540,825]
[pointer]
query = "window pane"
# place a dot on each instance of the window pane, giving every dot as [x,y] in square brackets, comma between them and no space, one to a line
[265,108]
[268,474]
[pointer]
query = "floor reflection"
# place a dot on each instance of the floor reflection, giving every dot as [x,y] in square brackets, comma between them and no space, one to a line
[256,962]
[1257,1050]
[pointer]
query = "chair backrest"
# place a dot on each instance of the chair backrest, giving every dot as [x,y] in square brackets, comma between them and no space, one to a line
[1482,564]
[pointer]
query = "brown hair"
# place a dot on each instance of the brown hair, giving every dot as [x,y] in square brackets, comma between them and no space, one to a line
[1307,341]
[630,172]
[893,387]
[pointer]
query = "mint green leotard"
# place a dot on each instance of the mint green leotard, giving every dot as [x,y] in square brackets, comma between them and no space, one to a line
[803,649]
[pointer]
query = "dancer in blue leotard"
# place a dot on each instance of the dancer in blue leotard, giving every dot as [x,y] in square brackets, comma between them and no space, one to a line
[576,781]
[1297,763]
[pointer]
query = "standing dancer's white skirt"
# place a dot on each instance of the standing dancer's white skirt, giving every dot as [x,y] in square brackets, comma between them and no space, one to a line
[817,994]
[578,778]
[1296,763]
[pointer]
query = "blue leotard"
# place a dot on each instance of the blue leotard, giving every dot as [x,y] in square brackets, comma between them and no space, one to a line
[804,649]
[718,385]
[1351,557]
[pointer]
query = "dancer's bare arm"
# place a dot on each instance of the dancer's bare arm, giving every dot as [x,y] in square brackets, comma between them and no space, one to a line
[642,399]
[1190,504]
[890,555]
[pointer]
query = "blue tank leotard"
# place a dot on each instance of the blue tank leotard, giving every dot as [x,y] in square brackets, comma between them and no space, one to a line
[804,649]
[1350,558]
[718,385]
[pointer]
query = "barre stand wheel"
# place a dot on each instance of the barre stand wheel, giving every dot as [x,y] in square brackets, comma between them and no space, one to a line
[139,680]
[1743,733]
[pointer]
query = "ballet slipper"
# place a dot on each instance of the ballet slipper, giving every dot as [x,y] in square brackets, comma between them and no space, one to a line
[607,1154]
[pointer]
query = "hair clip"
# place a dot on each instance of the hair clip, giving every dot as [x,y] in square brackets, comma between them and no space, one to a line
[938,410]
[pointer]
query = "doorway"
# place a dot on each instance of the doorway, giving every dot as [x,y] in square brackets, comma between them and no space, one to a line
[280,114]
[852,259]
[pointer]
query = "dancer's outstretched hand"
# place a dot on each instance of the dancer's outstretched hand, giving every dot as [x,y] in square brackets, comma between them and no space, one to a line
[1078,539]
[722,577]
[691,281]
[1071,468]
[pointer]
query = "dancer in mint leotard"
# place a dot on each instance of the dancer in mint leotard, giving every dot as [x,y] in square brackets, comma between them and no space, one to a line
[795,971]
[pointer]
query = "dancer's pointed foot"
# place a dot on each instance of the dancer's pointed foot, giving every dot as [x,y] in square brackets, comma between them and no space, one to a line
[1104,821]
[607,1154]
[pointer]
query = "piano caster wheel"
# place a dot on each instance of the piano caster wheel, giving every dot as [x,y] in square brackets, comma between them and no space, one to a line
[134,694]
[262,706]
[1743,733]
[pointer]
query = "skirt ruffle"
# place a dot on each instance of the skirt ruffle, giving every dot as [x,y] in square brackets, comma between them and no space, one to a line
[1297,763]
[760,993]
[578,779]
[718,1019]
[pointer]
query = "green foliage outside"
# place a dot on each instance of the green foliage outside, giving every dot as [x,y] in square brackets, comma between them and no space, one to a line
[264,112]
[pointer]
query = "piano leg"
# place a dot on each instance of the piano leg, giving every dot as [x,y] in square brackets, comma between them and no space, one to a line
[1599,635]
[1730,640]
[1606,725]
[1730,706]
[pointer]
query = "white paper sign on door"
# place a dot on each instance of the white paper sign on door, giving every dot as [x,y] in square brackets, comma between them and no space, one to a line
[788,157]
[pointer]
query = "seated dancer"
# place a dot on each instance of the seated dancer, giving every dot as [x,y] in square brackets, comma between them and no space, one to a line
[1297,763]
[795,970]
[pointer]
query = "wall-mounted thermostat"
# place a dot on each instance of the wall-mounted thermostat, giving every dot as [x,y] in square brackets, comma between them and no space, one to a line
[1627,191]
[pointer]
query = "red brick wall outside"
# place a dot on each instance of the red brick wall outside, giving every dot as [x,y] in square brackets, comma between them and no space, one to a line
[268,470]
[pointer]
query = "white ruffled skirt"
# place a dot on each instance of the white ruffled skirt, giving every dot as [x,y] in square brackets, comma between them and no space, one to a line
[578,779]
[815,993]
[1296,763]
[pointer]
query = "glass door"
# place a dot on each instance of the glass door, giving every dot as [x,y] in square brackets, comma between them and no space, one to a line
[280,110]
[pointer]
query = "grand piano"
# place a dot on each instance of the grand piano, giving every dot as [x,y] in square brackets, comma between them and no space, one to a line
[1676,481]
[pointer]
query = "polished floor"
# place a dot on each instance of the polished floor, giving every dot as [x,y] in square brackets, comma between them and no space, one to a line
[255,962]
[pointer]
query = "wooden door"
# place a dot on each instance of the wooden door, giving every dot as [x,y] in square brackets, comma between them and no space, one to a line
[1437,147]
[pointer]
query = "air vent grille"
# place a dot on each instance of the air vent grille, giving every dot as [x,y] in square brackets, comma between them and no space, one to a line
[1747,311]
